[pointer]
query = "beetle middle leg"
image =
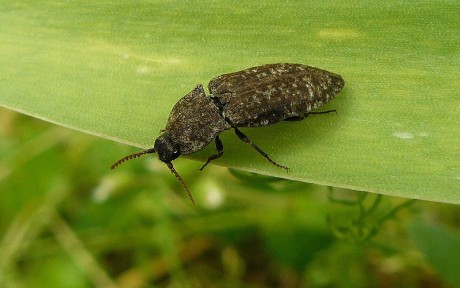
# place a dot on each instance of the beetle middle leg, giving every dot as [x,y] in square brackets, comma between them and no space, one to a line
[220,152]
[246,139]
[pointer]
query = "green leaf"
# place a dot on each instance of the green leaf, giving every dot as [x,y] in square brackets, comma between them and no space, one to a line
[115,69]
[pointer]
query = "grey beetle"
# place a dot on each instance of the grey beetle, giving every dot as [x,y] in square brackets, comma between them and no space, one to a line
[253,97]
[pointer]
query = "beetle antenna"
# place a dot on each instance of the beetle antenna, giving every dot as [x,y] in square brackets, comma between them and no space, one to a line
[170,166]
[132,156]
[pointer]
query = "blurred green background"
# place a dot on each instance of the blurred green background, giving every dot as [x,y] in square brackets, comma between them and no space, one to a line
[114,69]
[66,220]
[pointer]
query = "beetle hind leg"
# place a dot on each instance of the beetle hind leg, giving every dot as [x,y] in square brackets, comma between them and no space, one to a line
[323,112]
[301,117]
[220,152]
[295,118]
[245,139]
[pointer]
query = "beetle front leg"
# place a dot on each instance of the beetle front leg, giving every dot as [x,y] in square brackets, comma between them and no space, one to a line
[220,152]
[245,139]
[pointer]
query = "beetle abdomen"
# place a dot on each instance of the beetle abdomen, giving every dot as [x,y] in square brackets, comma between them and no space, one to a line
[270,93]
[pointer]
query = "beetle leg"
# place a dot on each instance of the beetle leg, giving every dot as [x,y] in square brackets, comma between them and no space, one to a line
[244,138]
[323,112]
[295,118]
[220,152]
[300,118]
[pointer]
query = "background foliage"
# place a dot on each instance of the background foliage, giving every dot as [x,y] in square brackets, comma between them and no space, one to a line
[115,69]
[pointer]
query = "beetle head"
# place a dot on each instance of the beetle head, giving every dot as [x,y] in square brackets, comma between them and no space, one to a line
[167,151]
[166,148]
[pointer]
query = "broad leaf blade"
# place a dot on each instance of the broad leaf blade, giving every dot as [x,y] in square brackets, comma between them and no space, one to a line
[116,69]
